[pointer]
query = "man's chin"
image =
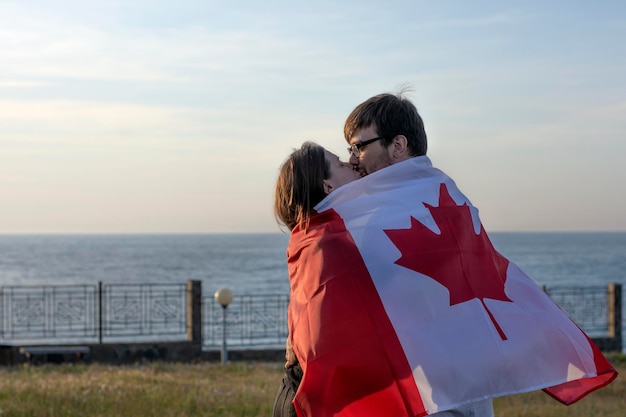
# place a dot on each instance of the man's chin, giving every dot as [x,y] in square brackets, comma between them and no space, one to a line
[361,171]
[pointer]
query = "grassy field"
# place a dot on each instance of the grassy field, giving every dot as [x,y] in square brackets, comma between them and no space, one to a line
[209,389]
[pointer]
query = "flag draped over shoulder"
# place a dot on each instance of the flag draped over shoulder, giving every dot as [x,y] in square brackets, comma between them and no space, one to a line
[400,306]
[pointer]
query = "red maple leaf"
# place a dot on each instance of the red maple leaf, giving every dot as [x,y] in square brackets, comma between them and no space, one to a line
[464,262]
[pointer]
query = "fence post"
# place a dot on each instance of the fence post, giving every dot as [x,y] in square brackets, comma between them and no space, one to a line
[100,321]
[615,314]
[194,312]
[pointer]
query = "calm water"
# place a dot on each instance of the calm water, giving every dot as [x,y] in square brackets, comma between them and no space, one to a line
[566,258]
[255,263]
[251,264]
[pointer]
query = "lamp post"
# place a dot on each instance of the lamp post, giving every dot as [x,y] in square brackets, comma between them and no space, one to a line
[224,296]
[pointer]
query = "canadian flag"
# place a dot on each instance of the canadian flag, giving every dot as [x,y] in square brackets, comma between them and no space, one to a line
[400,306]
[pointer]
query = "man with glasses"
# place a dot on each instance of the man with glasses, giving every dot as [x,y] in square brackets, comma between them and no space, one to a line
[382,131]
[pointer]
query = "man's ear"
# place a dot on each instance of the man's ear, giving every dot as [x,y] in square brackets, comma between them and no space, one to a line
[399,147]
[327,187]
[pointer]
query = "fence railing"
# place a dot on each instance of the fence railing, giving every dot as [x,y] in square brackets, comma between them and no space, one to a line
[589,305]
[258,321]
[146,311]
[101,313]
[136,313]
[596,309]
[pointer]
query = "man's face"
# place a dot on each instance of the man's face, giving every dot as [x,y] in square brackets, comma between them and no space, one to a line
[373,156]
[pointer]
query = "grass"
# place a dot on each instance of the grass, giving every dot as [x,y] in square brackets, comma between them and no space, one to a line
[154,389]
[209,389]
[606,402]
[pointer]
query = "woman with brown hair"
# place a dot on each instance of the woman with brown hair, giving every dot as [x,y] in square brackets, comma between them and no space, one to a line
[307,176]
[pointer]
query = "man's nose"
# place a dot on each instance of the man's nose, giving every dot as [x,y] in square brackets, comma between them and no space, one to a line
[354,160]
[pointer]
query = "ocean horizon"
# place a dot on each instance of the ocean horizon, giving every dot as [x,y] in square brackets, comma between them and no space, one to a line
[255,263]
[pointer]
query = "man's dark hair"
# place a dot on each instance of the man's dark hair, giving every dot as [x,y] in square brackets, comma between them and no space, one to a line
[393,115]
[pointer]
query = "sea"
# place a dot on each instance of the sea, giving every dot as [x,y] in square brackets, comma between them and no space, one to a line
[255,263]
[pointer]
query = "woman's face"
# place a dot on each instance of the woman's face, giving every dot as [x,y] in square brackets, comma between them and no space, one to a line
[340,172]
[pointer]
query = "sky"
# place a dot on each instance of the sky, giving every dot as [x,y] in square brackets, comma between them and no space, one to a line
[140,116]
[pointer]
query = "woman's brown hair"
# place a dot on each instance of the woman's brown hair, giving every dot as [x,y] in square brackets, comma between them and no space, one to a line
[300,185]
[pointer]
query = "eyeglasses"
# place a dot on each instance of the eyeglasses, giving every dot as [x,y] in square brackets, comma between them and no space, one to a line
[355,148]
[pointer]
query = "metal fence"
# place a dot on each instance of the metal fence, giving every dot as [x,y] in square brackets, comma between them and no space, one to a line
[48,312]
[597,310]
[587,306]
[144,311]
[92,313]
[252,321]
[137,313]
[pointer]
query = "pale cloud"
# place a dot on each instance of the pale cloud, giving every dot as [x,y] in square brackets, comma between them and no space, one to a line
[90,121]
[22,84]
[39,47]
[505,18]
[159,116]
